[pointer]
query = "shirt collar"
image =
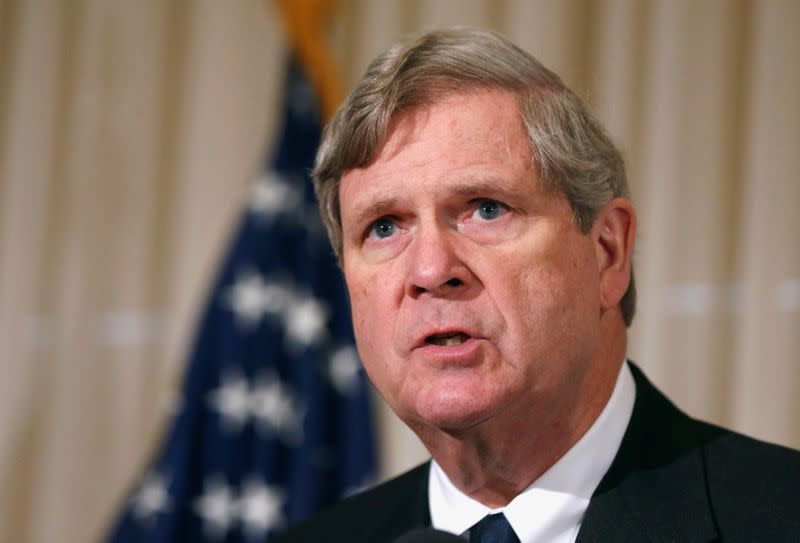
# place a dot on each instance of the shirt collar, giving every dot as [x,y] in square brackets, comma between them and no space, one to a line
[560,495]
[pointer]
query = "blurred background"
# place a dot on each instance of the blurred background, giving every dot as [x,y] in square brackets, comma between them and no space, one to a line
[130,133]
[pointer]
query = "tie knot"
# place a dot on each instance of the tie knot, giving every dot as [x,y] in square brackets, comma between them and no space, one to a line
[493,529]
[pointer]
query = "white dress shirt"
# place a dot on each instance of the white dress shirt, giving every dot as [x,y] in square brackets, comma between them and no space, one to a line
[551,509]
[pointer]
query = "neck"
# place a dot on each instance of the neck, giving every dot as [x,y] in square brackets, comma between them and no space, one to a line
[497,459]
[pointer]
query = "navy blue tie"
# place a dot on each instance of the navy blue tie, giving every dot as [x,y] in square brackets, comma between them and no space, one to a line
[493,529]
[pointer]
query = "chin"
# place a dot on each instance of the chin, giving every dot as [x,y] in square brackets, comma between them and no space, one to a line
[453,410]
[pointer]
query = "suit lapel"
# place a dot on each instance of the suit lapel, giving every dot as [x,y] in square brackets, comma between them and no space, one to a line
[655,489]
[401,507]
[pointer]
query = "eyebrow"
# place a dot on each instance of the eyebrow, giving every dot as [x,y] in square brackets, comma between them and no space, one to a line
[487,187]
[473,188]
[375,209]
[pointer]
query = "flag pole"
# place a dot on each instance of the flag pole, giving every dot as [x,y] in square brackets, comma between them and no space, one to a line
[305,22]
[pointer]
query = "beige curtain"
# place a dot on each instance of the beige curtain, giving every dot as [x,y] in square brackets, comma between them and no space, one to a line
[129,130]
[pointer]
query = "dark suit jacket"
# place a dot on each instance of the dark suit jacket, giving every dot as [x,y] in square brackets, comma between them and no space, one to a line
[674,479]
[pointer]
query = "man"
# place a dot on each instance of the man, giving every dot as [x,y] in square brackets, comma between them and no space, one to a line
[482,220]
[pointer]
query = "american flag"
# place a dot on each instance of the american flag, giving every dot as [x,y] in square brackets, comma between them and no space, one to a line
[274,419]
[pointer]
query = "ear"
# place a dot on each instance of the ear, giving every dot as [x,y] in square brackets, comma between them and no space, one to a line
[613,232]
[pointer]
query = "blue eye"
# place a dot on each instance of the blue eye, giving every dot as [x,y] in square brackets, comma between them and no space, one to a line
[383,228]
[489,210]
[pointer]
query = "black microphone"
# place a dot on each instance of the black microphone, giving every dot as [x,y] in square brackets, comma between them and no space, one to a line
[428,535]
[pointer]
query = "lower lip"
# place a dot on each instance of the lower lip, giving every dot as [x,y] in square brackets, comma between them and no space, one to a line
[461,354]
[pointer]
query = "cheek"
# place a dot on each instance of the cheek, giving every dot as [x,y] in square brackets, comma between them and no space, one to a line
[373,323]
[365,303]
[542,296]
[540,299]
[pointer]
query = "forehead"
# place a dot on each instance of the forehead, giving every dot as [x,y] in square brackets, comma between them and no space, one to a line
[466,139]
[486,118]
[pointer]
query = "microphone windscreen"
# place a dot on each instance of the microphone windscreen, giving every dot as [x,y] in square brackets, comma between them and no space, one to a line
[428,535]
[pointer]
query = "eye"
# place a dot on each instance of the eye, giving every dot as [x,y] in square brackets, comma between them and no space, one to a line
[488,210]
[382,228]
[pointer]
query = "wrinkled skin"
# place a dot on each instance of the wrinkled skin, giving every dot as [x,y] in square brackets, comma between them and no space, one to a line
[448,233]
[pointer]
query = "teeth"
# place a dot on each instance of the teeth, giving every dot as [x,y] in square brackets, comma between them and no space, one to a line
[446,341]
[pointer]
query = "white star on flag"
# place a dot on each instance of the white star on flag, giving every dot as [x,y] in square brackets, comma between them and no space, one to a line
[262,371]
[151,497]
[217,508]
[305,321]
[260,508]
[271,195]
[232,400]
[276,407]
[250,297]
[343,369]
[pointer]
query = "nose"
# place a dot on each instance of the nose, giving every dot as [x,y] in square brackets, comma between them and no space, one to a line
[434,267]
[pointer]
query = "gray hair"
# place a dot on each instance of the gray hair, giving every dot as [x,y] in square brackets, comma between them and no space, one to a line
[571,150]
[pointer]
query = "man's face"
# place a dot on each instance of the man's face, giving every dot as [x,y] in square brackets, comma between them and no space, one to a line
[474,293]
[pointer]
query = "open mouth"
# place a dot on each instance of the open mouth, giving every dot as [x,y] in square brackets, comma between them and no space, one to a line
[446,340]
